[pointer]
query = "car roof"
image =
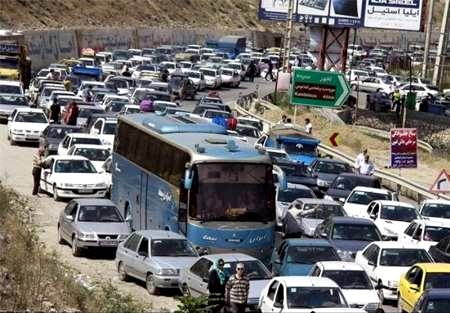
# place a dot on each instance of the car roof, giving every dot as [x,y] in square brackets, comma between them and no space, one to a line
[230,257]
[306,281]
[351,220]
[369,189]
[428,222]
[160,234]
[438,293]
[94,201]
[360,177]
[98,147]
[10,83]
[82,135]
[36,110]
[340,265]
[396,245]
[435,267]
[307,242]
[437,201]
[328,160]
[317,201]
[68,157]
[397,203]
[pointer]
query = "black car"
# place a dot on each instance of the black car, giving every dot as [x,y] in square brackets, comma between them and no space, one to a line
[52,136]
[325,170]
[297,173]
[435,300]
[199,109]
[441,251]
[379,102]
[343,185]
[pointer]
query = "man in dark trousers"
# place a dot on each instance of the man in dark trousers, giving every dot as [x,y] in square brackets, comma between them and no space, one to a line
[38,162]
[55,112]
[236,290]
[251,71]
[269,71]
[216,286]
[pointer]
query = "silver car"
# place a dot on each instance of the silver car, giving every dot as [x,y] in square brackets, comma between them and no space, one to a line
[156,257]
[9,102]
[195,279]
[304,214]
[87,223]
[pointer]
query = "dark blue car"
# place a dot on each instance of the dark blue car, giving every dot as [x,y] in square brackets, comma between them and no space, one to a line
[433,301]
[295,257]
[348,234]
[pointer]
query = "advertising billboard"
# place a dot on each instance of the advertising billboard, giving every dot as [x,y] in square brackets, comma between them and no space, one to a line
[273,10]
[403,147]
[338,13]
[393,14]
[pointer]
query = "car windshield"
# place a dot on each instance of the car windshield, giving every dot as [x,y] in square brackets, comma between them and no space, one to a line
[321,211]
[248,132]
[364,197]
[403,257]
[398,213]
[10,89]
[314,298]
[227,72]
[435,233]
[348,183]
[13,100]
[349,279]
[84,113]
[60,132]
[360,232]
[311,254]
[254,270]
[298,148]
[85,141]
[99,214]
[194,75]
[172,248]
[332,167]
[440,210]
[208,73]
[217,114]
[110,128]
[437,280]
[291,194]
[232,192]
[93,154]
[116,106]
[74,166]
[30,117]
[437,306]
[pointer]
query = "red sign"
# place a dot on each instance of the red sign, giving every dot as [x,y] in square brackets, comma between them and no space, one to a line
[403,147]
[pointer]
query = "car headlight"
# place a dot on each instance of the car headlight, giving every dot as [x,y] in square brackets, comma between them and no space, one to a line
[101,185]
[18,131]
[87,236]
[345,255]
[322,183]
[64,185]
[372,306]
[168,272]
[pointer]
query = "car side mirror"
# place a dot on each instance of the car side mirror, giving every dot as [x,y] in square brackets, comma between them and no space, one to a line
[9,119]
[371,263]
[277,261]
[95,131]
[278,305]
[143,253]
[341,199]
[323,235]
[373,216]
[69,218]
[414,287]
[379,286]
[47,171]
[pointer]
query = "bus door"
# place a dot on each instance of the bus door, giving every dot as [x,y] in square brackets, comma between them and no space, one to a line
[143,201]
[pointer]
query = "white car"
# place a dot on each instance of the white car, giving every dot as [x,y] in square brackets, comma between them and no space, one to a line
[105,129]
[26,125]
[371,84]
[285,197]
[356,51]
[238,67]
[198,79]
[354,282]
[11,87]
[45,94]
[77,138]
[435,210]
[421,90]
[186,66]
[85,83]
[72,176]
[212,77]
[130,109]
[54,95]
[170,66]
[354,75]
[97,154]
[392,217]
[425,233]
[303,294]
[386,261]
[379,71]
[357,201]
[230,77]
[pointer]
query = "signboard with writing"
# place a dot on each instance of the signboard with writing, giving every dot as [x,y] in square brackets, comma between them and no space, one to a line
[394,14]
[318,88]
[403,147]
[9,48]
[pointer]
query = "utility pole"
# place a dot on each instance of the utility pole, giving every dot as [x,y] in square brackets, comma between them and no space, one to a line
[427,38]
[441,52]
[288,36]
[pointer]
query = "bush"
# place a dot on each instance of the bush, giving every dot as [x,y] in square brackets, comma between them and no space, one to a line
[190,304]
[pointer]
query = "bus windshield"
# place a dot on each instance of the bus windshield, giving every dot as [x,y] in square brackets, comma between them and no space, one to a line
[232,192]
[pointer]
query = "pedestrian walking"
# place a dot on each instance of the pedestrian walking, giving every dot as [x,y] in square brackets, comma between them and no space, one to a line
[72,114]
[366,167]
[396,98]
[308,126]
[216,286]
[251,71]
[269,71]
[359,159]
[236,290]
[55,111]
[38,162]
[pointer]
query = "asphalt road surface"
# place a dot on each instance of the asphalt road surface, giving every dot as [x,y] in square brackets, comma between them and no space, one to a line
[15,171]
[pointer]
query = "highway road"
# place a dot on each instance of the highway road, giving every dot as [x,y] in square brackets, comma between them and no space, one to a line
[15,171]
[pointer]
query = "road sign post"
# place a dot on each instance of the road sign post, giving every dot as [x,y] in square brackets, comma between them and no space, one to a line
[441,183]
[403,147]
[318,88]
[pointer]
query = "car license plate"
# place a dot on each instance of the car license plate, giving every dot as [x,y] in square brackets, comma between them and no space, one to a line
[85,190]
[108,243]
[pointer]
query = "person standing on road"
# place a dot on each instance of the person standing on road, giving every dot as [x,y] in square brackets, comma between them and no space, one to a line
[72,114]
[38,162]
[52,75]
[251,71]
[126,72]
[283,120]
[359,159]
[236,290]
[87,94]
[308,126]
[269,71]
[216,286]
[366,167]
[55,111]
[396,98]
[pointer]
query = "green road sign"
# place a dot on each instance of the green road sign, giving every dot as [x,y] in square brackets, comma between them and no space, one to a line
[318,88]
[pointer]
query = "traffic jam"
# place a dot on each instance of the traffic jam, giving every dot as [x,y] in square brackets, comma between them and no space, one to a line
[149,160]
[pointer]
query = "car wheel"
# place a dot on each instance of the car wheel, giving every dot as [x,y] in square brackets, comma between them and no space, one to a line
[399,307]
[380,293]
[76,251]
[150,284]
[60,238]
[11,141]
[185,291]
[123,276]
[55,194]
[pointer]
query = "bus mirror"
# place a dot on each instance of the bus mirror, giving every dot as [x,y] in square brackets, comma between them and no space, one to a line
[188,178]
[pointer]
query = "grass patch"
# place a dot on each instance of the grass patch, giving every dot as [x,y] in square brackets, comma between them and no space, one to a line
[33,279]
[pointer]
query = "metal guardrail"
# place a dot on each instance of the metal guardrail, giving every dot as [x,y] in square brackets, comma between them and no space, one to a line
[394,182]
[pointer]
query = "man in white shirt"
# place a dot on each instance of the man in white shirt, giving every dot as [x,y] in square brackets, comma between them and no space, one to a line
[366,167]
[308,126]
[359,159]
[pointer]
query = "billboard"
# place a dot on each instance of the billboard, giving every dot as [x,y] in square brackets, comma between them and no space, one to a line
[403,147]
[273,10]
[338,13]
[393,14]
